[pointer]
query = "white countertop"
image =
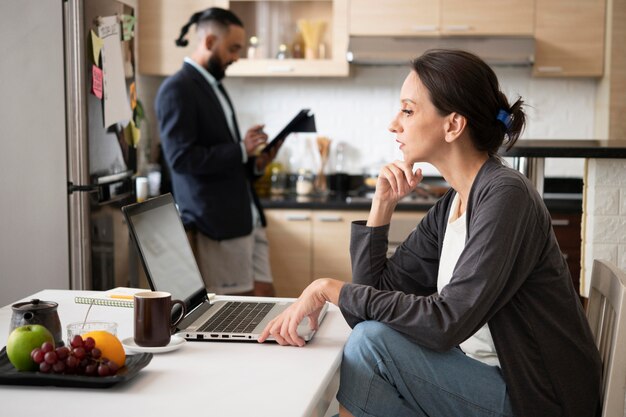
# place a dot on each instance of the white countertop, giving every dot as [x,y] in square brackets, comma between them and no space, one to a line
[203,378]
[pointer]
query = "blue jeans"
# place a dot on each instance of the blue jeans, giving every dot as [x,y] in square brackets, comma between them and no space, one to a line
[384,374]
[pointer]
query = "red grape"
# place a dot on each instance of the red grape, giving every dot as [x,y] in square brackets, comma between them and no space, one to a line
[50,357]
[45,367]
[47,347]
[90,369]
[79,352]
[62,353]
[58,367]
[37,355]
[89,344]
[96,353]
[103,370]
[77,341]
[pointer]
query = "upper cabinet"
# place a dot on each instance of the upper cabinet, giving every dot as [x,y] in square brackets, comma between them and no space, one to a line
[293,38]
[487,17]
[283,38]
[287,38]
[394,17]
[441,17]
[569,38]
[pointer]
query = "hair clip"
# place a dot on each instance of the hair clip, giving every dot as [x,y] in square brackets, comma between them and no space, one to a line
[505,118]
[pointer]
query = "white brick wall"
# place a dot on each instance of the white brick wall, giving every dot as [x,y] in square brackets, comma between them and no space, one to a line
[605,215]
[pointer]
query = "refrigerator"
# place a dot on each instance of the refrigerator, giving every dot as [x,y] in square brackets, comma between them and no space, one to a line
[101,163]
[65,167]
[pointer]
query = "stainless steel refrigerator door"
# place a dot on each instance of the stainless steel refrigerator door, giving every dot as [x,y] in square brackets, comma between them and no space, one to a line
[90,146]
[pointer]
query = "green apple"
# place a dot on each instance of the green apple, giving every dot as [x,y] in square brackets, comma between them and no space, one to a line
[22,341]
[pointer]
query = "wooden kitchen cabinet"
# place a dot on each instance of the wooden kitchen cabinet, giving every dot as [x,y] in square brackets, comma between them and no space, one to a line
[569,38]
[441,17]
[487,17]
[289,235]
[310,244]
[331,243]
[280,27]
[394,17]
[274,22]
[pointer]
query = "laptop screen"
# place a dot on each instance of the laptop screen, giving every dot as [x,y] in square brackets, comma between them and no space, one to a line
[165,251]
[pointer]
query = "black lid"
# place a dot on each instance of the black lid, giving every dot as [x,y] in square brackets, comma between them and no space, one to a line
[35,305]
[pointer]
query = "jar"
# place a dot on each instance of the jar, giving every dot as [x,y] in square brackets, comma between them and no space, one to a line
[304,184]
[278,181]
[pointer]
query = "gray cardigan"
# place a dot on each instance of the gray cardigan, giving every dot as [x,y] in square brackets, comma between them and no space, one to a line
[511,275]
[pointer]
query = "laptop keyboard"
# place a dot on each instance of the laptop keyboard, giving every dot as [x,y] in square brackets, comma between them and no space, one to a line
[237,317]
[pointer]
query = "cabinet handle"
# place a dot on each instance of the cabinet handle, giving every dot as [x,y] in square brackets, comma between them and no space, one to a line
[424,28]
[560,222]
[330,218]
[547,69]
[297,217]
[457,28]
[280,68]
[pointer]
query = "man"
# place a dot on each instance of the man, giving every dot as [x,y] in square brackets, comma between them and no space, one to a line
[212,168]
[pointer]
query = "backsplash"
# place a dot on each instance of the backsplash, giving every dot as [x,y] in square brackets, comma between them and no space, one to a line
[357,111]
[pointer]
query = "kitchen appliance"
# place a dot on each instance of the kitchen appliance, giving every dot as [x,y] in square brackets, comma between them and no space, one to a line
[101,164]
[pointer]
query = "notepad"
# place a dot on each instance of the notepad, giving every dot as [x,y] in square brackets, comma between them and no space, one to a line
[116,297]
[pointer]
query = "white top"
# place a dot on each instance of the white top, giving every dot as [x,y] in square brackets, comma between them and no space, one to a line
[480,345]
[210,378]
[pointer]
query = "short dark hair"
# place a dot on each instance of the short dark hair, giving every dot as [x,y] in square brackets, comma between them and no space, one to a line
[222,17]
[459,81]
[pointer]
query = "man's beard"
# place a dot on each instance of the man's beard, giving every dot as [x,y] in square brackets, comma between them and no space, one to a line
[216,68]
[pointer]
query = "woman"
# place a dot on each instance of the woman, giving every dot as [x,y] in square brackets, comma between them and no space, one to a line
[475,314]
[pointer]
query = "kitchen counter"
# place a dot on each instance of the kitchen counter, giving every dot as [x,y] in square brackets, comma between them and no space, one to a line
[566,149]
[556,202]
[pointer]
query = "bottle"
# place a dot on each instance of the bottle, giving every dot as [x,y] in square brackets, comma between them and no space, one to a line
[282,52]
[304,184]
[297,47]
[253,48]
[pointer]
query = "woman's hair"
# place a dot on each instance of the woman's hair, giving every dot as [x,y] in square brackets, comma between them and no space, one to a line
[222,17]
[461,82]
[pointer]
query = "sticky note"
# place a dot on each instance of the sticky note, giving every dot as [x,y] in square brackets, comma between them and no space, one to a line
[96,47]
[133,96]
[128,27]
[96,81]
[132,134]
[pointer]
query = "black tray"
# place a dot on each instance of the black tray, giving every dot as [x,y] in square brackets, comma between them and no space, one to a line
[11,376]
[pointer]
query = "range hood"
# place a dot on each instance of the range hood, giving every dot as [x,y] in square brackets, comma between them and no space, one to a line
[384,50]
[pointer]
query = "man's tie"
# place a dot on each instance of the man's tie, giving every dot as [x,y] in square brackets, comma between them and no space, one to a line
[232,111]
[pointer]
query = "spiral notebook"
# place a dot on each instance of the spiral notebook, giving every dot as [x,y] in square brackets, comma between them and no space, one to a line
[117,297]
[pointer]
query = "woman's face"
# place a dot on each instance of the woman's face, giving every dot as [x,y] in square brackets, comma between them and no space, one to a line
[419,128]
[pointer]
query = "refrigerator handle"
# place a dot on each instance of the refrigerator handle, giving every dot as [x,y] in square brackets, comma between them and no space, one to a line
[71,188]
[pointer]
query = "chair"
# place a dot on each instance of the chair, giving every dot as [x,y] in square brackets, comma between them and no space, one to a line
[606,315]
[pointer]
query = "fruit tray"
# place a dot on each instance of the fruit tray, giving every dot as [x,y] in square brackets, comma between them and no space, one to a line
[11,376]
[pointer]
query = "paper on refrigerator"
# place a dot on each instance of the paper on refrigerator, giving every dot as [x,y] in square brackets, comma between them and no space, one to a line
[116,103]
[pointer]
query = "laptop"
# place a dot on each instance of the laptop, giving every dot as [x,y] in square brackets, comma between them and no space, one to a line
[158,233]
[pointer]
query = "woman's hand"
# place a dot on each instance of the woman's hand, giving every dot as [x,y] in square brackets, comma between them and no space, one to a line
[395,181]
[284,328]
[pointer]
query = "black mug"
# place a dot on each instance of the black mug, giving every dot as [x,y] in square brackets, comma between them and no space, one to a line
[153,318]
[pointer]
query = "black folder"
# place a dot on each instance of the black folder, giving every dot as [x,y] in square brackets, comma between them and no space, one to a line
[304,121]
